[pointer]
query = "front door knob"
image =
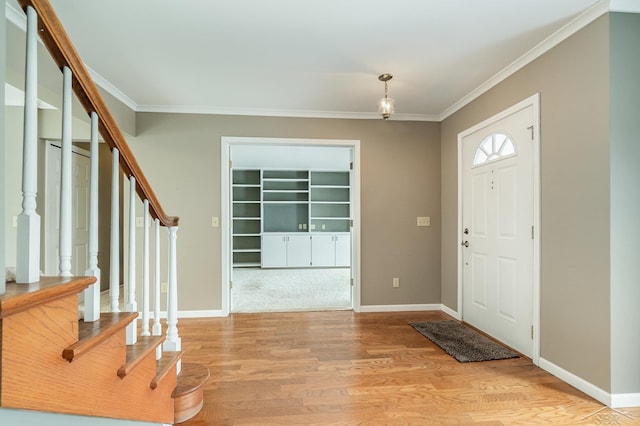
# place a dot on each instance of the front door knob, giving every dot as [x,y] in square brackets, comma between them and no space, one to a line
[465,243]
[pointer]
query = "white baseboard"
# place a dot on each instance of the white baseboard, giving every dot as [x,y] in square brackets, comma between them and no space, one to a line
[447,310]
[577,382]
[193,314]
[625,400]
[400,308]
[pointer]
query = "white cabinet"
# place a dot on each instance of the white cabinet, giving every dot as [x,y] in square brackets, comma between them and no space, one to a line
[286,251]
[328,250]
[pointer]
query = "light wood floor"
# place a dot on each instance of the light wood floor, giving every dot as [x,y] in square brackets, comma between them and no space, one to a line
[343,368]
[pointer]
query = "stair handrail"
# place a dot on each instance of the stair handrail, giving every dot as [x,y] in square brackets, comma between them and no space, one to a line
[63,52]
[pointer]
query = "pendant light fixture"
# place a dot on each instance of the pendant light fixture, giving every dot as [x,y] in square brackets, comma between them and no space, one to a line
[385,105]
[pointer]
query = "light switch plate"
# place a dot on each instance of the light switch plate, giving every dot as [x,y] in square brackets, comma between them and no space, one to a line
[424,221]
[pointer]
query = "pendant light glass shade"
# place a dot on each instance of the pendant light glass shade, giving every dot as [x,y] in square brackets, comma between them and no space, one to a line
[385,105]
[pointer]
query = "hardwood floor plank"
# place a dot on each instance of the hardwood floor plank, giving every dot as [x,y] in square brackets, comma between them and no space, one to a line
[343,368]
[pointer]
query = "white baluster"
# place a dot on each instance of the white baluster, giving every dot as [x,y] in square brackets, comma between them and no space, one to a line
[132,305]
[92,293]
[157,326]
[173,341]
[145,272]
[114,270]
[28,232]
[66,167]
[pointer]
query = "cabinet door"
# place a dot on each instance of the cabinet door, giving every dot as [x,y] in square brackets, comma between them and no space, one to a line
[298,251]
[343,249]
[274,251]
[323,252]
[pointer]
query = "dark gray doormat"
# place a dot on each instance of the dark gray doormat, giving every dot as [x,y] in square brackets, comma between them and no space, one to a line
[461,342]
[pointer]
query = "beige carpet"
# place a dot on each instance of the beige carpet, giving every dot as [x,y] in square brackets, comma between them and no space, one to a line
[284,290]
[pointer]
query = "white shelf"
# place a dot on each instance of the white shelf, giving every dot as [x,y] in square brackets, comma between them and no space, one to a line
[246,250]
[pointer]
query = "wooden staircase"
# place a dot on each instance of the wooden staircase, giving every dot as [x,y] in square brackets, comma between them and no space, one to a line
[50,361]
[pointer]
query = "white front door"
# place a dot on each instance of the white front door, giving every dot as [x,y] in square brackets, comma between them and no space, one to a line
[497,221]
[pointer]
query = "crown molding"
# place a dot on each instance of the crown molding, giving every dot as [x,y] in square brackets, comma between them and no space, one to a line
[544,46]
[111,89]
[280,113]
[16,16]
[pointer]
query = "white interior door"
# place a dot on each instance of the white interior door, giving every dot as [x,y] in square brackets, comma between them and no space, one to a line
[80,198]
[497,220]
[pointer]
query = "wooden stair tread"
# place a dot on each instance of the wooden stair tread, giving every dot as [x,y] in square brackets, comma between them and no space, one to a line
[188,394]
[138,352]
[164,365]
[192,377]
[91,334]
[20,297]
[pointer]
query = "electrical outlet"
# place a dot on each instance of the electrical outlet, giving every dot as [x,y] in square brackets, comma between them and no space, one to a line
[396,282]
[424,221]
[215,222]
[164,287]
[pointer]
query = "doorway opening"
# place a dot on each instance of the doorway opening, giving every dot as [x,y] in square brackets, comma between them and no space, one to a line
[499,226]
[290,224]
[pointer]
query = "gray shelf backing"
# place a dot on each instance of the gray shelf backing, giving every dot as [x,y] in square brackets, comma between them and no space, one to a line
[285,217]
[330,210]
[285,174]
[246,226]
[245,193]
[245,242]
[330,194]
[330,225]
[285,185]
[285,196]
[330,178]
[246,257]
[246,177]
[246,210]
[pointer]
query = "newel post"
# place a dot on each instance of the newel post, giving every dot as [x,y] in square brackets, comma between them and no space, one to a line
[28,232]
[173,341]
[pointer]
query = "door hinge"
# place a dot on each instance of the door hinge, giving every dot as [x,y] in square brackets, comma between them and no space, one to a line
[230,284]
[351,223]
[531,128]
[532,332]
[532,232]
[351,282]
[230,163]
[351,165]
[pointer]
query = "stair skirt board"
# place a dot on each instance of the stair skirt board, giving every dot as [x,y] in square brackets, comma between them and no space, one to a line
[9,416]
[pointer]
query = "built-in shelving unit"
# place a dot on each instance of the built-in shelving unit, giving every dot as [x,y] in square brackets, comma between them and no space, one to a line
[247,217]
[274,208]
[285,200]
[330,203]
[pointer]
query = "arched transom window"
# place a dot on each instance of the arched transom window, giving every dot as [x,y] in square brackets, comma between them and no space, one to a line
[494,147]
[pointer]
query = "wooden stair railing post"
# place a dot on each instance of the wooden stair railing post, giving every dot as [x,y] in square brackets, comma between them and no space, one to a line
[92,293]
[114,278]
[145,271]
[66,201]
[173,341]
[132,305]
[28,232]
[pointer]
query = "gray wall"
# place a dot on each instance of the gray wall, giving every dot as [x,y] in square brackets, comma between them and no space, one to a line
[573,80]
[625,202]
[400,180]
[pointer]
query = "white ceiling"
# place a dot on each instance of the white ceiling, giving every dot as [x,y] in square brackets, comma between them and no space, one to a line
[317,58]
